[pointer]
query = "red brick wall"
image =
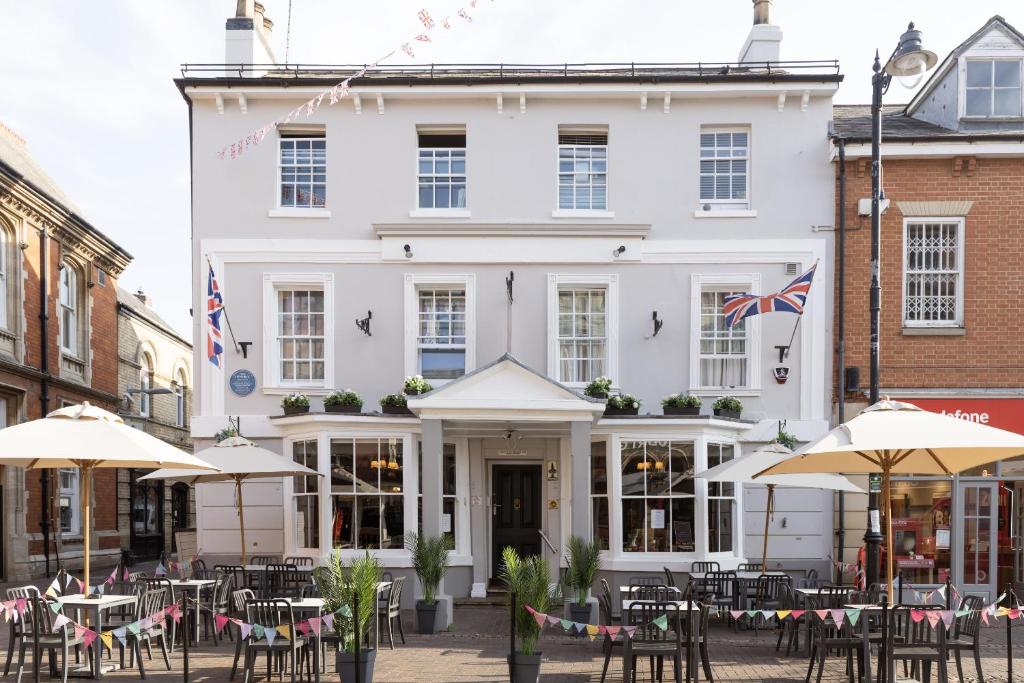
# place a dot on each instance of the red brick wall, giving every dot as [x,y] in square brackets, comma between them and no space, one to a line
[989,354]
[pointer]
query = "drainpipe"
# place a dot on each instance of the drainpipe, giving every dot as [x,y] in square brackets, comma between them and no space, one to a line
[841,324]
[44,389]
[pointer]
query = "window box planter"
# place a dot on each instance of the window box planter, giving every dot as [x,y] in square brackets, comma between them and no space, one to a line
[722,412]
[343,408]
[598,394]
[612,412]
[728,406]
[395,410]
[295,410]
[682,410]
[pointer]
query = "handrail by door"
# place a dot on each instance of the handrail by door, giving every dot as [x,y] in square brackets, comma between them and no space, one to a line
[547,542]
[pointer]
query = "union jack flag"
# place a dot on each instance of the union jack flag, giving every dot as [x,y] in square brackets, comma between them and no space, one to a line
[790,300]
[214,308]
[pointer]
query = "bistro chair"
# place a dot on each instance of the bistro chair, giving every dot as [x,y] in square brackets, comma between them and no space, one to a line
[133,577]
[790,627]
[271,614]
[645,581]
[966,635]
[283,581]
[236,572]
[197,565]
[392,612]
[768,595]
[604,606]
[705,567]
[164,584]
[670,579]
[217,601]
[299,561]
[827,636]
[695,628]
[16,628]
[650,641]
[719,588]
[916,646]
[609,613]
[151,602]
[38,634]
[750,567]
[239,599]
[660,593]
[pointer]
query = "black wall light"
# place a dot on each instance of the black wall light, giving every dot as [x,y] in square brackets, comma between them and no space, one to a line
[657,323]
[408,250]
[619,251]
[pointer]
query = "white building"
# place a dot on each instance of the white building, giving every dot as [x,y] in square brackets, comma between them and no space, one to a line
[608,197]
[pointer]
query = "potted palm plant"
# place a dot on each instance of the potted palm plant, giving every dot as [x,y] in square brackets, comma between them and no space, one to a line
[599,387]
[728,406]
[395,404]
[295,404]
[622,404]
[527,581]
[584,561]
[430,559]
[346,401]
[341,586]
[416,385]
[681,404]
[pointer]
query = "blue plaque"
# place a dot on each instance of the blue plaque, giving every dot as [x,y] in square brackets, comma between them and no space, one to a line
[242,382]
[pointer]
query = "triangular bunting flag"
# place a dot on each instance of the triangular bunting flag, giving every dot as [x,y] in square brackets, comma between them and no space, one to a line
[838,615]
[88,636]
[257,631]
[933,617]
[751,612]
[285,630]
[219,622]
[541,619]
[661,622]
[175,613]
[613,631]
[1014,613]
[783,613]
[767,614]
[565,624]
[529,609]
[629,630]
[984,616]
[345,611]
[328,620]
[303,627]
[60,621]
[917,615]
[245,629]
[602,630]
[580,628]
[592,630]
[853,615]
[107,638]
[121,634]
[553,621]
[134,628]
[160,570]
[822,614]
[797,613]
[270,635]
[56,606]
[67,580]
[947,617]
[962,613]
[314,625]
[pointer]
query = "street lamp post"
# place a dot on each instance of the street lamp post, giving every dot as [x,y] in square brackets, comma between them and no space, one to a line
[908,60]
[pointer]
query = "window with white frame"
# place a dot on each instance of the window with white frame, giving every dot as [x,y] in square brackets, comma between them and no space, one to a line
[721,502]
[367,489]
[993,87]
[600,528]
[724,351]
[582,170]
[300,335]
[582,333]
[933,272]
[69,310]
[725,168]
[180,399]
[657,496]
[449,493]
[145,384]
[441,170]
[441,337]
[68,500]
[5,280]
[303,172]
[306,496]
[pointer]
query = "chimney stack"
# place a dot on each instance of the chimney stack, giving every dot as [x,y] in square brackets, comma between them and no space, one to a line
[248,38]
[765,38]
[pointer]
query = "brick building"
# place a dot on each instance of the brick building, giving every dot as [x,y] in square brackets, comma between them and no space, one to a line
[951,248]
[58,311]
[154,381]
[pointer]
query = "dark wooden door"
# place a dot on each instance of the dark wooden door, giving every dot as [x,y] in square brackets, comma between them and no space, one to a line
[515,511]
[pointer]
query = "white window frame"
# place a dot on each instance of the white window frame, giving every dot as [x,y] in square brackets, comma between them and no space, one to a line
[737,511]
[727,204]
[960,222]
[145,384]
[303,136]
[69,341]
[292,483]
[5,279]
[413,283]
[180,402]
[429,212]
[740,282]
[578,212]
[985,56]
[73,494]
[610,282]
[462,522]
[272,283]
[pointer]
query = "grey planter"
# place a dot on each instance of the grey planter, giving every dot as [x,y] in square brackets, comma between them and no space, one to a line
[581,615]
[426,617]
[527,668]
[345,664]
[295,410]
[721,412]
[343,408]
[682,410]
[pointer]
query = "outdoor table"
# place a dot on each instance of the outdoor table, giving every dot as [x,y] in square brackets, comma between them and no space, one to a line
[95,607]
[192,585]
[625,590]
[263,567]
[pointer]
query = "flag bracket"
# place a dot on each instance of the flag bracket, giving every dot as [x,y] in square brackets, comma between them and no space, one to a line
[783,351]
[244,346]
[364,323]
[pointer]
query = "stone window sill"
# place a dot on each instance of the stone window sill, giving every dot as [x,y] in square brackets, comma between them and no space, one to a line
[299,213]
[725,213]
[934,331]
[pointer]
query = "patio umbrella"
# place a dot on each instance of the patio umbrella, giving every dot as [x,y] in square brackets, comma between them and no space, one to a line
[237,459]
[743,470]
[891,437]
[88,437]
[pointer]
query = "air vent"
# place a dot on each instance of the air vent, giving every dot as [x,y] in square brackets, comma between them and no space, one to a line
[792,269]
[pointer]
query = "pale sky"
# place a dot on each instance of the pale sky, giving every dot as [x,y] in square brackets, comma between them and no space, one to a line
[88,83]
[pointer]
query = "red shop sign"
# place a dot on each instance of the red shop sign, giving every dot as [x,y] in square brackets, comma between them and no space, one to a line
[1004,413]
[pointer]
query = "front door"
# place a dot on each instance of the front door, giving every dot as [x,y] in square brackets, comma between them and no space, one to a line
[147,512]
[515,511]
[979,505]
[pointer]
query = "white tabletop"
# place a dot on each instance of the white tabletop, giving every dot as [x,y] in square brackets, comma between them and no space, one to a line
[305,603]
[683,605]
[79,600]
[818,591]
[188,584]
[739,575]
[624,590]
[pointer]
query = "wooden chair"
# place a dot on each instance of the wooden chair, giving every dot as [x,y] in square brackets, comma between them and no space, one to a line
[650,641]
[38,633]
[16,628]
[966,635]
[392,611]
[827,636]
[270,614]
[150,603]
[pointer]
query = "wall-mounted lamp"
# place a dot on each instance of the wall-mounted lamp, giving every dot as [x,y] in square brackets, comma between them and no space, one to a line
[364,324]
[657,323]
[619,251]
[408,250]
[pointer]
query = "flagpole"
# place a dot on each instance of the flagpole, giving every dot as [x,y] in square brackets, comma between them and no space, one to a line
[800,316]
[224,309]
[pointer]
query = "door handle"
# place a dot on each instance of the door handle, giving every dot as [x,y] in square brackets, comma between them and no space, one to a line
[496,507]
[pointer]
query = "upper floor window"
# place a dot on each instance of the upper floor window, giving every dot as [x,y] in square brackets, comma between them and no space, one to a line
[180,399]
[993,87]
[933,272]
[583,322]
[725,168]
[441,341]
[303,168]
[300,334]
[582,171]
[724,351]
[70,310]
[441,170]
[70,522]
[145,384]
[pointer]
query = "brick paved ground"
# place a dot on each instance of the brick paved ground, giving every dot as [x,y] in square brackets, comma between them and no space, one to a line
[476,648]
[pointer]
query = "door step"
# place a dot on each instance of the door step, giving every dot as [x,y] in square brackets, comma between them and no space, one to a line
[496,600]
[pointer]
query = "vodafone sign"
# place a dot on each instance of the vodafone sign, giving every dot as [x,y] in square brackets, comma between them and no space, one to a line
[1004,413]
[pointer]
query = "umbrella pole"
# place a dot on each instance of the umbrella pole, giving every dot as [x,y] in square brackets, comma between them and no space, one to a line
[241,514]
[887,504]
[86,495]
[768,513]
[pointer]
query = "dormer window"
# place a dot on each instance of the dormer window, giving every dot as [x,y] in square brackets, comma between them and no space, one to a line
[993,88]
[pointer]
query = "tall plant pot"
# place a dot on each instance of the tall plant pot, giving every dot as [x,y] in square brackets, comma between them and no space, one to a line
[426,616]
[579,614]
[527,668]
[345,664]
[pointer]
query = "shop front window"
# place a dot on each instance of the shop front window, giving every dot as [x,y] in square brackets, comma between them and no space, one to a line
[449,500]
[599,493]
[921,525]
[721,502]
[306,496]
[367,487]
[657,496]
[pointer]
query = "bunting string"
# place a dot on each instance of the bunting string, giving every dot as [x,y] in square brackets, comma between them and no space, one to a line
[340,90]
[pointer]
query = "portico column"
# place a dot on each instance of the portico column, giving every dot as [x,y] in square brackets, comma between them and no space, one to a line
[579,448]
[432,437]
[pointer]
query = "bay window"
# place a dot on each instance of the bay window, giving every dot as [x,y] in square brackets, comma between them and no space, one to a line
[599,518]
[721,502]
[306,496]
[367,485]
[657,496]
